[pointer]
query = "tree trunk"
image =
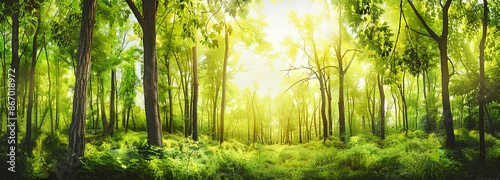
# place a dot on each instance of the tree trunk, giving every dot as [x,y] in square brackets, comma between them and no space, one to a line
[482,86]
[425,87]
[104,118]
[50,86]
[109,128]
[404,109]
[170,99]
[445,76]
[214,114]
[300,125]
[27,140]
[380,81]
[150,79]
[13,80]
[254,120]
[57,96]
[341,82]
[76,145]
[128,116]
[195,95]
[224,82]
[323,104]
[329,106]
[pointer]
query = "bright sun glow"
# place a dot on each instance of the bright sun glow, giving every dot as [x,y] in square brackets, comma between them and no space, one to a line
[266,73]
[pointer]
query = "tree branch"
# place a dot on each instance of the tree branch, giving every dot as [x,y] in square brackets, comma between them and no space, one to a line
[429,30]
[137,14]
[300,81]
[349,65]
[345,52]
[452,67]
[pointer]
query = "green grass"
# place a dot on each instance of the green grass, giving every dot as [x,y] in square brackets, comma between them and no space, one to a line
[127,156]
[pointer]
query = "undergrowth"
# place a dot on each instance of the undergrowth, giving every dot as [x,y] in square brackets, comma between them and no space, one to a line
[417,155]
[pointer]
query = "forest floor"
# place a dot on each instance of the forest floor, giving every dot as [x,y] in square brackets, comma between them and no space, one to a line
[127,156]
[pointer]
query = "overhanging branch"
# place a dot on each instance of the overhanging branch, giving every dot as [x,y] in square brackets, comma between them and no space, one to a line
[137,14]
[426,26]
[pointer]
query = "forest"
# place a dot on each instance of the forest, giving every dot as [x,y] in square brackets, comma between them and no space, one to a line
[250,89]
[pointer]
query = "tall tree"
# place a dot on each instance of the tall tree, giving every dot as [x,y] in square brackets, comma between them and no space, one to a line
[12,112]
[77,128]
[147,21]
[224,81]
[110,129]
[27,141]
[442,42]
[195,95]
[482,86]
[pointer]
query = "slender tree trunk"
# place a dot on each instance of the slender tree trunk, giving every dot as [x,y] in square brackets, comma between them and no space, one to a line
[417,103]
[98,110]
[380,81]
[341,82]
[427,118]
[104,118]
[323,108]
[214,115]
[224,82]
[117,100]
[404,109]
[150,79]
[13,78]
[27,140]
[57,96]
[329,107]
[482,86]
[314,122]
[4,76]
[128,116]
[396,109]
[109,128]
[76,145]
[254,120]
[300,125]
[195,95]
[442,42]
[170,99]
[50,85]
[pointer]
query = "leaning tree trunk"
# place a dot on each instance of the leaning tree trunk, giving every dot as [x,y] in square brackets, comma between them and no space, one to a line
[76,145]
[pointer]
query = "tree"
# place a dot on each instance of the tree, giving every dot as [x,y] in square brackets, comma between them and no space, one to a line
[76,146]
[127,90]
[147,21]
[317,55]
[482,86]
[442,42]
[12,113]
[375,36]
[195,95]
[224,81]
[27,141]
